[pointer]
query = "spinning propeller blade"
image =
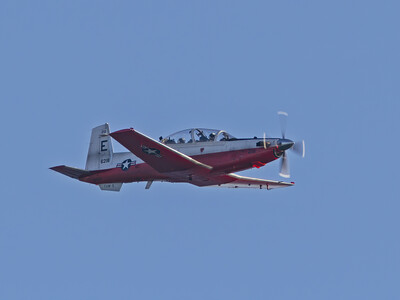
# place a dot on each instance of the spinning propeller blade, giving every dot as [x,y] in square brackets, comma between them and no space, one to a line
[284,172]
[283,119]
[299,148]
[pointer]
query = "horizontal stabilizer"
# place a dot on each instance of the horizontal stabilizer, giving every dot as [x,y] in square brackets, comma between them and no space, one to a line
[71,172]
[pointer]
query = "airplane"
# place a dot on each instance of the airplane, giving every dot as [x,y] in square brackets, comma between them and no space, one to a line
[199,156]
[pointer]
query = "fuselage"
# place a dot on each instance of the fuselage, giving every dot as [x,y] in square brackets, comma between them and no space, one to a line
[224,157]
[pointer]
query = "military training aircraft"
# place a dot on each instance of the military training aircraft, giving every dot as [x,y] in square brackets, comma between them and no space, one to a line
[203,157]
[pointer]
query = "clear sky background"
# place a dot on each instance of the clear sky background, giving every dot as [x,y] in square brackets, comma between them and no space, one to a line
[163,66]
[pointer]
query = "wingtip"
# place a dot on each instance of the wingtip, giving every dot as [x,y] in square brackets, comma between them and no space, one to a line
[121,131]
[55,168]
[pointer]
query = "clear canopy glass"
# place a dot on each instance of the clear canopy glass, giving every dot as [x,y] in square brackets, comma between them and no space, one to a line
[197,135]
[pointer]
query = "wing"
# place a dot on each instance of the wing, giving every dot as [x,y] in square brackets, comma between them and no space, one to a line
[238,181]
[162,158]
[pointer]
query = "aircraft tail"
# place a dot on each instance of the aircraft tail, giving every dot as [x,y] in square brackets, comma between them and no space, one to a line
[100,149]
[99,157]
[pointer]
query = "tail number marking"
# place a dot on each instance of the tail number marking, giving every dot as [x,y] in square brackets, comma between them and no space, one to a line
[104,160]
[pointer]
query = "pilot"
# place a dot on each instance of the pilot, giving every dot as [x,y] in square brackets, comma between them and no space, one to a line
[170,141]
[202,137]
[181,141]
[211,136]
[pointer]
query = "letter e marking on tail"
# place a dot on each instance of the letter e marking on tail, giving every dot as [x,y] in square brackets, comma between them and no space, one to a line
[103,145]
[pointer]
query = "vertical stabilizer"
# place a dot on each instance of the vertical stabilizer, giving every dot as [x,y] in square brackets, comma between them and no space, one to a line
[100,149]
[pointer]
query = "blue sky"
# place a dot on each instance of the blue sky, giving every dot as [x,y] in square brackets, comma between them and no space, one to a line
[68,66]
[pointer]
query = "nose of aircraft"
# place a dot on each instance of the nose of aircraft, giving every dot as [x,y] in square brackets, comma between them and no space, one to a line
[285,144]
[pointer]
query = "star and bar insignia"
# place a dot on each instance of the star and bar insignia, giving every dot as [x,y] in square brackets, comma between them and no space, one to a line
[126,164]
[151,151]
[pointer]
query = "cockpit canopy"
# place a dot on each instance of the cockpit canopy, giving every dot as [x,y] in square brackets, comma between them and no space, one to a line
[195,135]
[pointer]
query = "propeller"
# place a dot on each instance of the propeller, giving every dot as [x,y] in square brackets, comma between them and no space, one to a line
[284,172]
[299,148]
[283,120]
[285,144]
